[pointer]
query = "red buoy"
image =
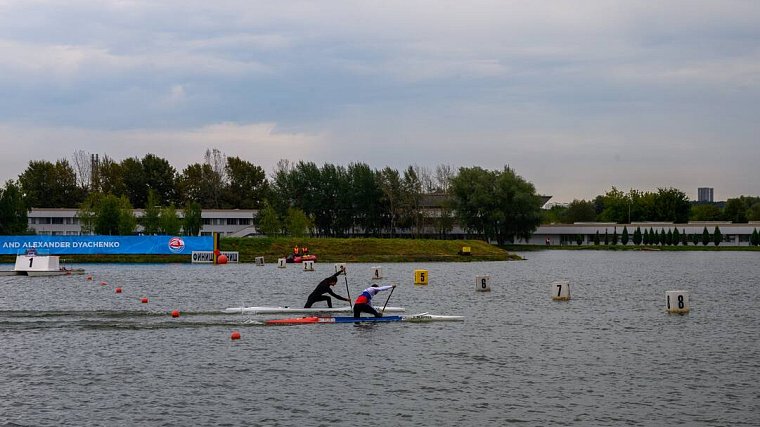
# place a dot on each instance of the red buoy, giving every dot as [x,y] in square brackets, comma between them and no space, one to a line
[89,277]
[235,335]
[103,283]
[221,259]
[144,300]
[118,290]
[175,313]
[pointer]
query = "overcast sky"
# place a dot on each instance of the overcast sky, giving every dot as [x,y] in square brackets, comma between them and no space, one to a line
[575,96]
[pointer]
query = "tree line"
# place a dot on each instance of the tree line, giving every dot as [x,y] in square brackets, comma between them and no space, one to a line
[300,198]
[652,237]
[665,205]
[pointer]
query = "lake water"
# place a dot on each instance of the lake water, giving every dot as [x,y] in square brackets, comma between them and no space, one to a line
[73,352]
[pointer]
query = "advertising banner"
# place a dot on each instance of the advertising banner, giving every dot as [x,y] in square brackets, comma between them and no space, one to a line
[105,245]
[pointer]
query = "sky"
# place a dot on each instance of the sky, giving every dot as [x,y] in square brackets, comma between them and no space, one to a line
[575,96]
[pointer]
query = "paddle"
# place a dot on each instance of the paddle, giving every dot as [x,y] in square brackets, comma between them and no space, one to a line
[388,299]
[348,294]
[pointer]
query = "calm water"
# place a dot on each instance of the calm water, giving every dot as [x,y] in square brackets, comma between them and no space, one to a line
[73,352]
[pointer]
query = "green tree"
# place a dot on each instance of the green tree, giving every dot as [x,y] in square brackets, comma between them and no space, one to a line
[646,238]
[606,238]
[754,240]
[717,236]
[390,184]
[367,198]
[615,206]
[150,219]
[579,239]
[170,223]
[705,237]
[501,205]
[676,237]
[412,189]
[196,184]
[671,204]
[753,213]
[50,185]
[637,236]
[579,211]
[247,185]
[193,220]
[735,210]
[596,238]
[298,223]
[669,237]
[695,238]
[113,216]
[13,212]
[705,212]
[161,177]
[614,236]
[624,238]
[268,221]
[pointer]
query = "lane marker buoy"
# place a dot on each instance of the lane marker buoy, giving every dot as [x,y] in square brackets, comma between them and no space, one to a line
[235,335]
[144,300]
[175,313]
[118,290]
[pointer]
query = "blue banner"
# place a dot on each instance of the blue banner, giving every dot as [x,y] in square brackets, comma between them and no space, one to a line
[107,245]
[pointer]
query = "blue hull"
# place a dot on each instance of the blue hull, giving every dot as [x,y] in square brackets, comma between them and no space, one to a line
[351,319]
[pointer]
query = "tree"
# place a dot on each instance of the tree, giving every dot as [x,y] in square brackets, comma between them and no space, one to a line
[717,236]
[500,205]
[579,211]
[247,185]
[412,190]
[676,237]
[268,221]
[615,206]
[646,238]
[195,184]
[754,240]
[669,237]
[606,238]
[671,204]
[705,237]
[596,238]
[637,236]
[150,219]
[390,184]
[624,237]
[193,221]
[161,177]
[614,236]
[170,222]
[113,216]
[705,212]
[50,185]
[298,223]
[579,239]
[13,212]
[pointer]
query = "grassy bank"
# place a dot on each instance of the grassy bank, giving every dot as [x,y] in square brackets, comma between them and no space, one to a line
[326,250]
[367,250]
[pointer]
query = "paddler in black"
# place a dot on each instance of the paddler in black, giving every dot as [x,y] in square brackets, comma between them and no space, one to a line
[318,294]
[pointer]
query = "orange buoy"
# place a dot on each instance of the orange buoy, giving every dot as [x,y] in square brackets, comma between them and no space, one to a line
[221,259]
[175,313]
[89,277]
[118,290]
[144,300]
[235,335]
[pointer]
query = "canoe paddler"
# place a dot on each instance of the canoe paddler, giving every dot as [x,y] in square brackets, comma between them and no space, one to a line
[318,294]
[363,303]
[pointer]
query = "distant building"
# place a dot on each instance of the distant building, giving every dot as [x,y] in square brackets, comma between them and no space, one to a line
[705,194]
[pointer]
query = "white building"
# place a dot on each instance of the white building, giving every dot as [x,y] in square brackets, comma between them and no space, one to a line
[226,222]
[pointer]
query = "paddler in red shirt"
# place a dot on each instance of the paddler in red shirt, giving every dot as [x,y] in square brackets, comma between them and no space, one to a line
[363,303]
